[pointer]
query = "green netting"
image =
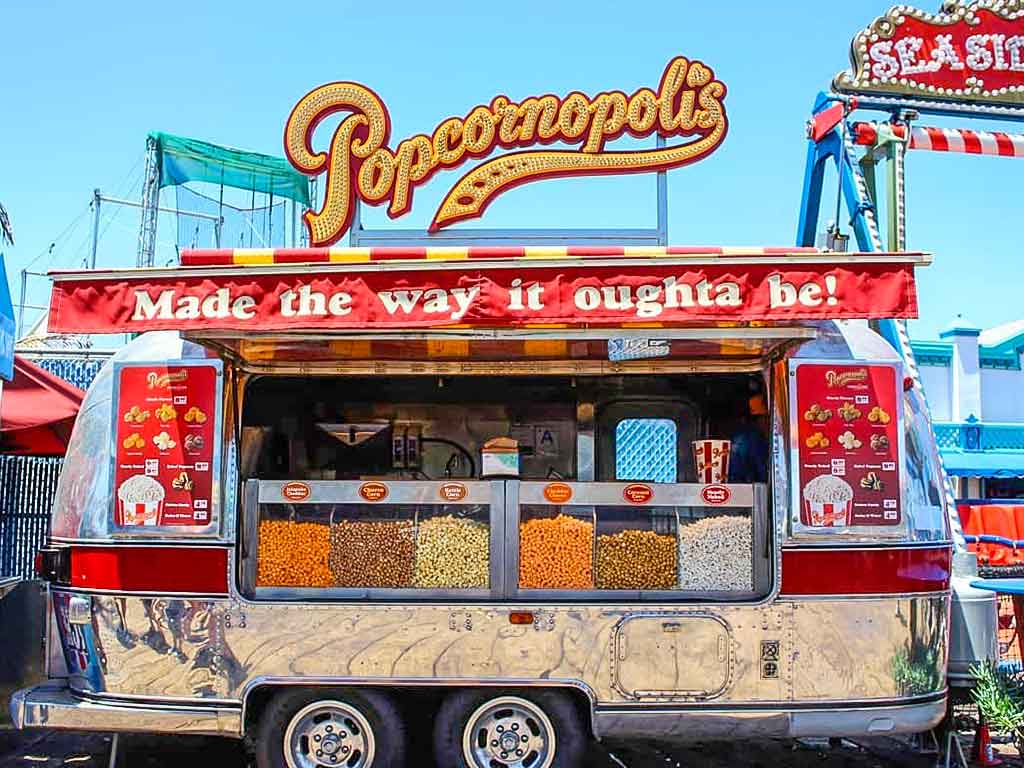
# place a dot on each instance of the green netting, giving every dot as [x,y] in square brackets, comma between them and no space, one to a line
[182,160]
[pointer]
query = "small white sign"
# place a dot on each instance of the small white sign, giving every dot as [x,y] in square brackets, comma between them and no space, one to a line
[200,503]
[152,467]
[889,504]
[629,348]
[202,466]
[839,467]
[888,466]
[180,400]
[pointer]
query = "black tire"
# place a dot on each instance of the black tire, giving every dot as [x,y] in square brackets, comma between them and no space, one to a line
[380,713]
[571,737]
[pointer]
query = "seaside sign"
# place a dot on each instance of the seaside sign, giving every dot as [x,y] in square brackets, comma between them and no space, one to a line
[971,53]
[360,163]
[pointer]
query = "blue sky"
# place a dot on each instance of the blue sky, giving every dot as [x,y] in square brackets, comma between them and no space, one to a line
[83,83]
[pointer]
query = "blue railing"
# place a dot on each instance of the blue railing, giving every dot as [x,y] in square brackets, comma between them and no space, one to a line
[979,436]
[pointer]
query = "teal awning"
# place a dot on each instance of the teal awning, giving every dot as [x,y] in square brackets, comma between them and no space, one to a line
[984,463]
[182,160]
[6,326]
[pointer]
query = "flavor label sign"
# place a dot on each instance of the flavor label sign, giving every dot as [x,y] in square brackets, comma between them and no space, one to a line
[164,463]
[848,445]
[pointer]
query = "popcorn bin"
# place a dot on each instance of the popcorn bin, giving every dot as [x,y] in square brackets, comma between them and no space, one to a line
[711,459]
[827,502]
[140,501]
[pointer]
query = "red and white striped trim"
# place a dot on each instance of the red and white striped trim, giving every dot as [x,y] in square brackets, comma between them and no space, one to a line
[947,139]
[258,256]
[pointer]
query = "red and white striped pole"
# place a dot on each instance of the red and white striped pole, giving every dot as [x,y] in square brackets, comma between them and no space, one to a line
[963,140]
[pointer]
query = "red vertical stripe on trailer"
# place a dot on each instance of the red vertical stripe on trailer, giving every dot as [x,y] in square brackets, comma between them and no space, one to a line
[497,252]
[391,252]
[172,570]
[206,257]
[875,571]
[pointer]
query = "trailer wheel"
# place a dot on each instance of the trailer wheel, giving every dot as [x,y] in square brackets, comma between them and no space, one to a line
[484,729]
[330,727]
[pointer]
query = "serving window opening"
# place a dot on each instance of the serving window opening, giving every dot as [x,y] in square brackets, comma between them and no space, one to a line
[608,487]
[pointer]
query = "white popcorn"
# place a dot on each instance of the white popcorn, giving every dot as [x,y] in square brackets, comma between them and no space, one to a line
[827,489]
[717,554]
[140,489]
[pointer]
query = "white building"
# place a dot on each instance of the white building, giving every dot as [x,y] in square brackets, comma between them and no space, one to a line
[974,382]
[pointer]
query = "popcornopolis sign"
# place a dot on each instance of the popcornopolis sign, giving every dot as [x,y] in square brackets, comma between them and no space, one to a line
[360,163]
[970,53]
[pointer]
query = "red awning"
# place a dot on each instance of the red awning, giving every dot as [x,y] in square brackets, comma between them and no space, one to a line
[37,411]
[359,289]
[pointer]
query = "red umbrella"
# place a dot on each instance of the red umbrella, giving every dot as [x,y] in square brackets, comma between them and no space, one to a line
[37,411]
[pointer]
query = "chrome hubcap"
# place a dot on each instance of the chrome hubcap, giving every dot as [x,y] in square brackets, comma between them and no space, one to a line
[509,731]
[328,733]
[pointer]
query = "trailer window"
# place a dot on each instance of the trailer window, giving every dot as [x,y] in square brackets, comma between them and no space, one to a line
[326,538]
[646,449]
[628,551]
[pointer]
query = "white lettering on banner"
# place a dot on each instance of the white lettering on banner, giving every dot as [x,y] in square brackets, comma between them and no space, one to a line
[147,309]
[434,300]
[784,294]
[215,306]
[649,303]
[395,300]
[981,52]
[679,295]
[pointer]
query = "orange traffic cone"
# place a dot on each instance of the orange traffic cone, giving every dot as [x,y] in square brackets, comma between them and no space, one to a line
[983,752]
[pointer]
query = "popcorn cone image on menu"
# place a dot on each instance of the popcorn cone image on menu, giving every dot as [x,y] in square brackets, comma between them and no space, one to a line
[140,501]
[711,460]
[827,502]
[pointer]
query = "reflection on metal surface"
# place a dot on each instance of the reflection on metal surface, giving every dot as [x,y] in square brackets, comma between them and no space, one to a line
[830,650]
[684,656]
[54,706]
[722,724]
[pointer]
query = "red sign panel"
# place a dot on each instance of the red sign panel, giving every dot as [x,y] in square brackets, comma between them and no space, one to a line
[164,464]
[373,491]
[848,445]
[972,53]
[499,297]
[637,493]
[716,494]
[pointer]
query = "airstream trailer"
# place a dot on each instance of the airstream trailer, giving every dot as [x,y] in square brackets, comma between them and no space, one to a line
[557,494]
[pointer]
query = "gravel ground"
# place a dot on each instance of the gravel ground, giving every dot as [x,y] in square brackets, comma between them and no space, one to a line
[32,749]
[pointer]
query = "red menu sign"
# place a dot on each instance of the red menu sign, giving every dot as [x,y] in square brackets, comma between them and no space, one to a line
[848,450]
[164,458]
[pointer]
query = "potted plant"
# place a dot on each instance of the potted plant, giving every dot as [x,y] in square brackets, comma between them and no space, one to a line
[999,695]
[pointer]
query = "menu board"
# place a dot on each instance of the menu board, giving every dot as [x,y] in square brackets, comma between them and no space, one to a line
[848,445]
[164,462]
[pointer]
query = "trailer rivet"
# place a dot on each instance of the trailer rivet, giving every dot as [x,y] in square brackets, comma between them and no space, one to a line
[501,729]
[329,728]
[316,737]
[524,738]
[494,743]
[519,753]
[515,726]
